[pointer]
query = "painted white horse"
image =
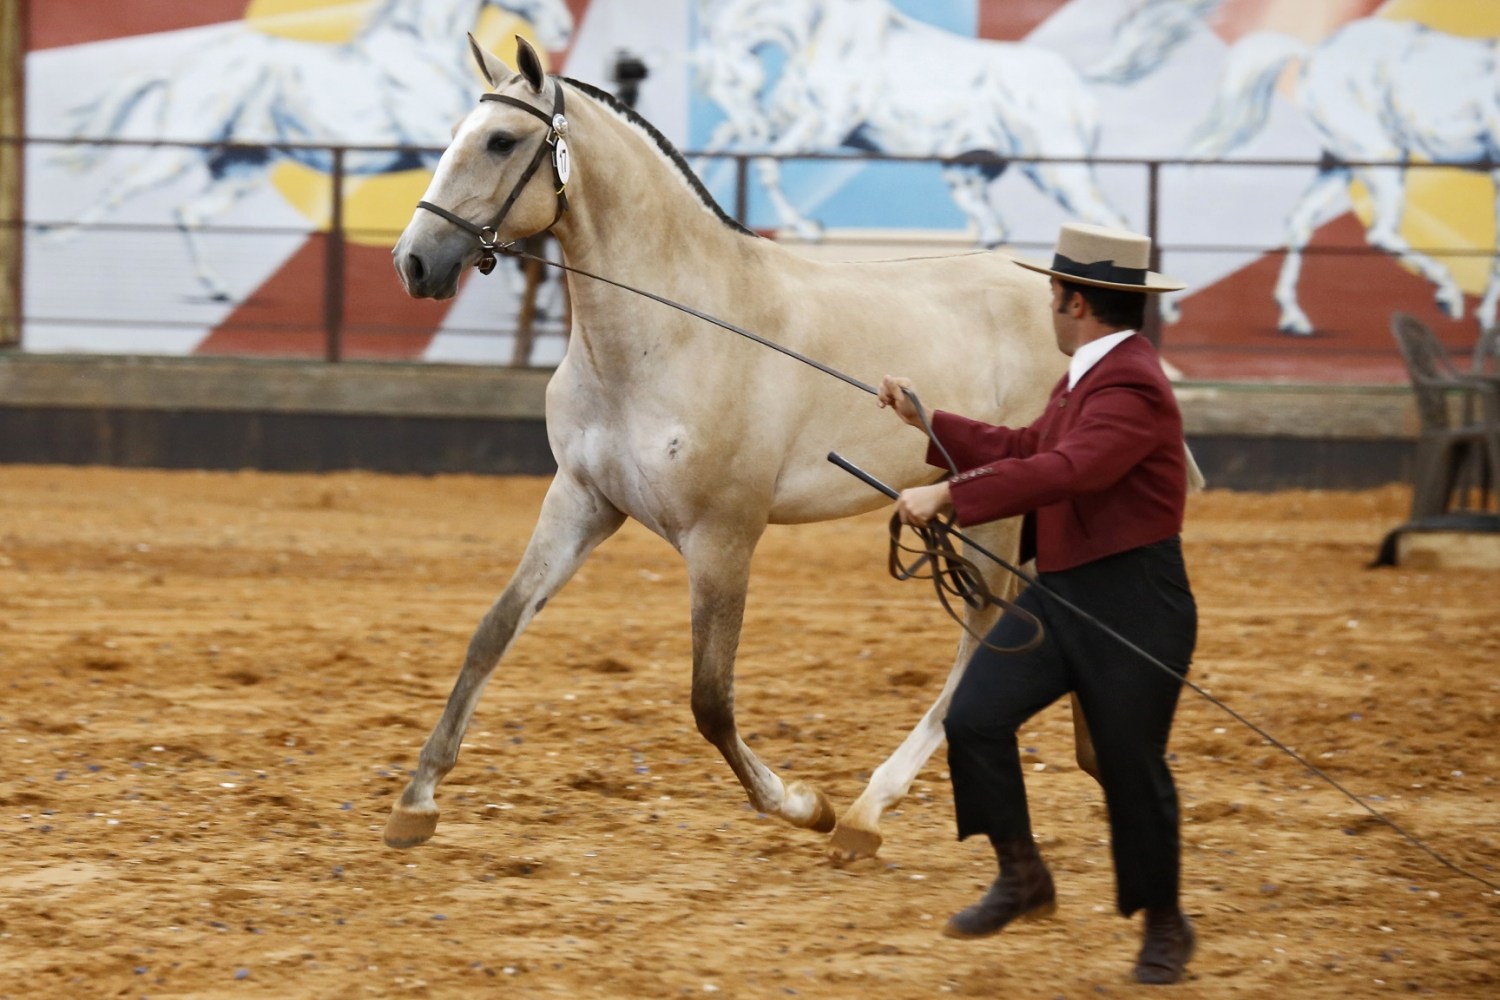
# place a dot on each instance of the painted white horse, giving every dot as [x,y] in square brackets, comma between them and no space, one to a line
[250,87]
[1146,37]
[1374,90]
[700,436]
[845,82]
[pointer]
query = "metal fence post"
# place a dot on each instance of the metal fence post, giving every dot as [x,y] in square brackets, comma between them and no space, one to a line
[333,266]
[1152,325]
[741,190]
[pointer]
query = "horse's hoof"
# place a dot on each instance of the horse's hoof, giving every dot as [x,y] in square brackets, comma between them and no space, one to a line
[410,827]
[850,843]
[824,817]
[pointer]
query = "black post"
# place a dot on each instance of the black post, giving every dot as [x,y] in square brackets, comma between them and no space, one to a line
[1152,326]
[741,190]
[333,266]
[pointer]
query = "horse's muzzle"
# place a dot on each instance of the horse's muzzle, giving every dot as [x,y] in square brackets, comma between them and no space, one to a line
[424,279]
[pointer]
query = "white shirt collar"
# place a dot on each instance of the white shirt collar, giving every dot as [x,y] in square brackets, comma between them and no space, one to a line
[1088,355]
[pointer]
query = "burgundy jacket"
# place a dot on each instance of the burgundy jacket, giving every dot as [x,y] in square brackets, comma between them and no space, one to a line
[1102,470]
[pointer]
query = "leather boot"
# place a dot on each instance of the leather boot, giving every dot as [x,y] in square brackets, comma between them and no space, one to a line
[1166,947]
[1022,891]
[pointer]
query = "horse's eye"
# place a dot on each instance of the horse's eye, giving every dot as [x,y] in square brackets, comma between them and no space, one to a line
[500,143]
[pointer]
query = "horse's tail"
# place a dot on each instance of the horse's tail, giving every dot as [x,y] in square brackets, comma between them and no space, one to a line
[1245,91]
[104,119]
[1146,37]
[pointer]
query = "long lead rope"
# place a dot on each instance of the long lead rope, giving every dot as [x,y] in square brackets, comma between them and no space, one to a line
[941,531]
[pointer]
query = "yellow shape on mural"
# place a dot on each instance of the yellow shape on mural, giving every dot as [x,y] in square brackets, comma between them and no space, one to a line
[1446,207]
[330,21]
[376,208]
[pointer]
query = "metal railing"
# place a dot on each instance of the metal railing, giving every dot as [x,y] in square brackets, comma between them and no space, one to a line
[333,323]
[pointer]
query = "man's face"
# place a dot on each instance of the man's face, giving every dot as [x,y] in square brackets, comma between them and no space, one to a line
[1065,318]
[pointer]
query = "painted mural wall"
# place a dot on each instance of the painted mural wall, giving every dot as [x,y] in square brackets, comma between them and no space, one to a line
[1294,268]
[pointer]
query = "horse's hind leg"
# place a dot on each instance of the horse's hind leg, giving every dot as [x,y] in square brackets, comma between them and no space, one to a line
[1387,187]
[574,519]
[858,832]
[719,573]
[1487,305]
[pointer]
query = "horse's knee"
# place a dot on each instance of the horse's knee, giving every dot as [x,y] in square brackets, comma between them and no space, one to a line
[714,716]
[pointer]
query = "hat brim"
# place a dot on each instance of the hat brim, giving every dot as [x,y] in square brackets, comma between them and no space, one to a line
[1155,283]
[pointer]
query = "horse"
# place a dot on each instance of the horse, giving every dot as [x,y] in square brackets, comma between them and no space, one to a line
[703,438]
[844,83]
[1374,90]
[250,87]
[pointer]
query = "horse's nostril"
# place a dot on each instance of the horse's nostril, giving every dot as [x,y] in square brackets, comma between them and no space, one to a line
[414,267]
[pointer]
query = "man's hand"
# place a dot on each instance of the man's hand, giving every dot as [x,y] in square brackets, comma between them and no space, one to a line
[892,394]
[921,504]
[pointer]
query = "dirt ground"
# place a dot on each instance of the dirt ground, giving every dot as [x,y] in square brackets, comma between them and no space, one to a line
[213,684]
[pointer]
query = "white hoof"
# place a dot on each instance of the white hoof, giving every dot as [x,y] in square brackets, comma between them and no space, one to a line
[409,827]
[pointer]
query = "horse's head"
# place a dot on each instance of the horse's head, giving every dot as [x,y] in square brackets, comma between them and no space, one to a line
[491,185]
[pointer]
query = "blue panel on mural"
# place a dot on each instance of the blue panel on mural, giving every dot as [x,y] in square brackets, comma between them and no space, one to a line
[741,102]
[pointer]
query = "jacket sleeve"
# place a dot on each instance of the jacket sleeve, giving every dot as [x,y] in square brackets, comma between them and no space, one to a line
[974,442]
[1117,427]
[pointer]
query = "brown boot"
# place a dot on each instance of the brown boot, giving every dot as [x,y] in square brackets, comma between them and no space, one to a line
[1023,891]
[1166,947]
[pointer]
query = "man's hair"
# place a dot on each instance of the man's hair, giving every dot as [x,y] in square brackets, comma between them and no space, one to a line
[1111,306]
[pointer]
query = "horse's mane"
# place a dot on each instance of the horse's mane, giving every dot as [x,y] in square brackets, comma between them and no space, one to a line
[662,143]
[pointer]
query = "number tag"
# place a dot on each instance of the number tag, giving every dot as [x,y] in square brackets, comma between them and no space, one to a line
[562,161]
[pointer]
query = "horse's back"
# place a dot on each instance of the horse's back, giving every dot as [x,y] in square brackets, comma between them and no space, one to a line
[968,324]
[972,331]
[1348,84]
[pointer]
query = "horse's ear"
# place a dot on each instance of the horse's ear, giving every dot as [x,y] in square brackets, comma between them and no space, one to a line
[495,71]
[530,64]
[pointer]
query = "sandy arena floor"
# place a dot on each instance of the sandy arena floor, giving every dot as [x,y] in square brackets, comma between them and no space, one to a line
[213,683]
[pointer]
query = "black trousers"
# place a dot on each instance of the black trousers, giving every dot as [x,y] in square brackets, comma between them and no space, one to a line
[1144,595]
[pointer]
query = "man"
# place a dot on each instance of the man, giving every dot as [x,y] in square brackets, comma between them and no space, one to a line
[1101,476]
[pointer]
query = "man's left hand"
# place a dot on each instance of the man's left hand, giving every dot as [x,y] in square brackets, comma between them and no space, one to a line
[921,504]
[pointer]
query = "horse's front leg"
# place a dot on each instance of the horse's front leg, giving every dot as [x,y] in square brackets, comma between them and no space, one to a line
[213,201]
[574,519]
[789,214]
[1327,186]
[719,571]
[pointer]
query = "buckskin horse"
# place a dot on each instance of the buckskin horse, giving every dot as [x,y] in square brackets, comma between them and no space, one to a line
[705,438]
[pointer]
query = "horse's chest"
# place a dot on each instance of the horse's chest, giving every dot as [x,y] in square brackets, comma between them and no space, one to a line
[644,471]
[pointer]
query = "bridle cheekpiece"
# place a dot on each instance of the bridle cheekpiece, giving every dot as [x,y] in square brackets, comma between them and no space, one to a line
[562,169]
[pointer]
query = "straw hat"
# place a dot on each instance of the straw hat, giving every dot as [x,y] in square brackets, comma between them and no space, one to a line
[1109,258]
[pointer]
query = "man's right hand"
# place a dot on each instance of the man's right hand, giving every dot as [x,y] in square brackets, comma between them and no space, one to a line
[893,394]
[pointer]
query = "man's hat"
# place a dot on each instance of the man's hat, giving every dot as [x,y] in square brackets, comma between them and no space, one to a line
[1109,258]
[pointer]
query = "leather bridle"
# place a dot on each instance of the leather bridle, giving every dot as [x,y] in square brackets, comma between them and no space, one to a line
[556,141]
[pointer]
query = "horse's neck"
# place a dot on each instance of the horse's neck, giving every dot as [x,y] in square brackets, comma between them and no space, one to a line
[429,20]
[636,219]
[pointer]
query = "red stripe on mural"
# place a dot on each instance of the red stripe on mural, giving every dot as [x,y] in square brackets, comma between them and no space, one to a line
[1228,330]
[1013,20]
[284,317]
[50,24]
